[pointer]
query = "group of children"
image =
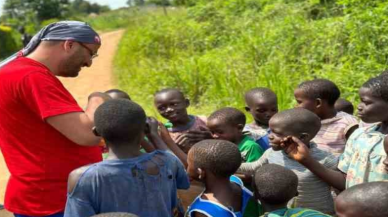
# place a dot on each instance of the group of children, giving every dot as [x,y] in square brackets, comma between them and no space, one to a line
[313,160]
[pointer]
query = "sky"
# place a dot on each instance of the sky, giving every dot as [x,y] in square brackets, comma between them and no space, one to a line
[113,4]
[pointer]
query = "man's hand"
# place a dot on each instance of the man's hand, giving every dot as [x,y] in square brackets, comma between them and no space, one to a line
[295,148]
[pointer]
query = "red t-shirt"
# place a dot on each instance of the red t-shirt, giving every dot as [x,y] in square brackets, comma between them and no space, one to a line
[38,157]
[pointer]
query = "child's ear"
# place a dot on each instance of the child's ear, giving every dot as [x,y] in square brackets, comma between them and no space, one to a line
[201,174]
[318,102]
[247,109]
[304,136]
[240,126]
[187,101]
[95,132]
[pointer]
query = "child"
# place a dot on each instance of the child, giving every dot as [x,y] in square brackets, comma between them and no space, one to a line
[319,96]
[117,94]
[314,193]
[228,124]
[213,162]
[275,194]
[128,181]
[343,105]
[185,130]
[364,200]
[365,156]
[262,103]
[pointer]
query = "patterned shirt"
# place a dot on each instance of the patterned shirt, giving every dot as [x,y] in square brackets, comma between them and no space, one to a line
[296,212]
[314,193]
[332,135]
[255,131]
[363,158]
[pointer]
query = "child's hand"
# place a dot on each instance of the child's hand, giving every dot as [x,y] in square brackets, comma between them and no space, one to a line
[295,148]
[199,135]
[152,126]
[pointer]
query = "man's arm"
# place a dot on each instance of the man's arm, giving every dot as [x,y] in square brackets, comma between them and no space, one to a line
[77,126]
[298,151]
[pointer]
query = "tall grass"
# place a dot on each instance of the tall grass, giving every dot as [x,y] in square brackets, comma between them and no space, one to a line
[217,50]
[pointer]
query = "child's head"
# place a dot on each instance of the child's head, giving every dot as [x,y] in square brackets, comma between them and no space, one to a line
[171,104]
[318,95]
[213,158]
[275,185]
[364,200]
[373,105]
[117,94]
[262,103]
[115,214]
[120,122]
[227,124]
[297,122]
[344,106]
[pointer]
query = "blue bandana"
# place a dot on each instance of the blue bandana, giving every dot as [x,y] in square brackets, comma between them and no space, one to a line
[59,31]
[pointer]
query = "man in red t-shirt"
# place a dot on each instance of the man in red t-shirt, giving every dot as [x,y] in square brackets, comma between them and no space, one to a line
[44,134]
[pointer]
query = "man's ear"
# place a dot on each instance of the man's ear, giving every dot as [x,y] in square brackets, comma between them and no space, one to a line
[67,45]
[201,174]
[247,109]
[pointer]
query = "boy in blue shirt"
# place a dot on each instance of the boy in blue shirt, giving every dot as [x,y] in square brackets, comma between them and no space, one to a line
[262,103]
[213,162]
[129,180]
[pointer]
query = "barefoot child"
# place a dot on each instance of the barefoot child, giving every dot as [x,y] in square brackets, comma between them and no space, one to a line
[128,181]
[364,200]
[262,104]
[213,162]
[319,96]
[365,156]
[314,193]
[185,129]
[275,194]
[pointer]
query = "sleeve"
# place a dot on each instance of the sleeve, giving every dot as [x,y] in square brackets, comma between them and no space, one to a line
[254,152]
[78,203]
[346,157]
[46,96]
[249,168]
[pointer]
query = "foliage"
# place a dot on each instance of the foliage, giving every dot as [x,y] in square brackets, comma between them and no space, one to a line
[8,44]
[217,49]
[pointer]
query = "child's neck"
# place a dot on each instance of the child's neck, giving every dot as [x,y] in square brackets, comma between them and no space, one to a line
[270,208]
[124,151]
[384,127]
[182,122]
[330,113]
[257,123]
[239,139]
[220,190]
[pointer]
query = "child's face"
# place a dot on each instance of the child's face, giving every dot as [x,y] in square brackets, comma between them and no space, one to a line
[280,131]
[262,109]
[371,108]
[224,131]
[171,105]
[303,101]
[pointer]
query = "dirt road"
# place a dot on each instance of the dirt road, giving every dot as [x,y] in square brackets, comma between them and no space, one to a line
[96,78]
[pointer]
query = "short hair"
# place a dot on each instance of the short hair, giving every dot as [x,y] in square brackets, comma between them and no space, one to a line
[120,93]
[321,88]
[260,92]
[299,120]
[344,106]
[229,115]
[274,184]
[378,86]
[370,197]
[220,157]
[120,121]
[116,214]
[166,90]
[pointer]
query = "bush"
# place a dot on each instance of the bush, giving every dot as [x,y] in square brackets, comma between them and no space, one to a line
[8,41]
[217,50]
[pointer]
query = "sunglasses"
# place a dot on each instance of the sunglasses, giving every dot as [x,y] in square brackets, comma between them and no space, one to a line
[92,54]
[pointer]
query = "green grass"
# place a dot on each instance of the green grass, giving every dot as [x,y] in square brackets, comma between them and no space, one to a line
[217,50]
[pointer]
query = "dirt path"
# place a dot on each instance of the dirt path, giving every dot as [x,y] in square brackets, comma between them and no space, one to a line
[96,78]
